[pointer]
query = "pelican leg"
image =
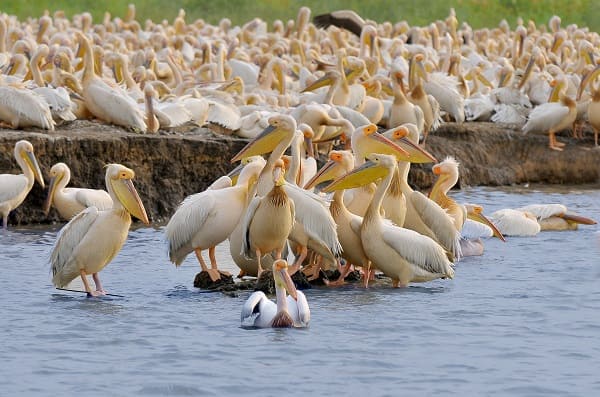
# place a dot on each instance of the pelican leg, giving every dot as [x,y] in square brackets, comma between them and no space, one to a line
[396,284]
[294,268]
[553,144]
[205,268]
[344,270]
[86,285]
[316,268]
[367,272]
[213,272]
[258,256]
[99,288]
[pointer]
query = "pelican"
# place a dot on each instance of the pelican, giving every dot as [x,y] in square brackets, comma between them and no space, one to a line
[205,219]
[94,237]
[556,217]
[14,188]
[552,117]
[22,107]
[268,220]
[401,254]
[108,103]
[289,311]
[70,201]
[513,222]
[346,19]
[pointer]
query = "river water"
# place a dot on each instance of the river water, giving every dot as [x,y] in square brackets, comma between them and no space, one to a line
[523,319]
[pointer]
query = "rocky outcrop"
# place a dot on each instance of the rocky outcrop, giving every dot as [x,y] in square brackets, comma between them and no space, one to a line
[171,166]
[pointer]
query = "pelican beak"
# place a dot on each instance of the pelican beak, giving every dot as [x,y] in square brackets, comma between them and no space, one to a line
[280,78]
[416,154]
[74,95]
[477,216]
[322,82]
[129,198]
[235,173]
[263,143]
[326,173]
[50,197]
[366,173]
[34,166]
[310,150]
[288,283]
[421,70]
[572,217]
[382,145]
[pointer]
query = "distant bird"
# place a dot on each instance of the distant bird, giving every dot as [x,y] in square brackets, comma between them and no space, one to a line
[70,201]
[289,311]
[94,237]
[14,188]
[345,19]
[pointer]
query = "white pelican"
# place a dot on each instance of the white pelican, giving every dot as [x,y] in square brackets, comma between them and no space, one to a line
[552,117]
[21,107]
[268,220]
[70,201]
[289,311]
[108,103]
[14,188]
[556,217]
[205,219]
[401,254]
[512,222]
[94,237]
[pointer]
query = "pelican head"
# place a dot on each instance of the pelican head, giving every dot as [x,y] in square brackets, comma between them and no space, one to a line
[24,150]
[475,213]
[448,166]
[282,278]
[366,139]
[120,186]
[377,166]
[340,162]
[281,127]
[235,173]
[400,135]
[279,172]
[58,173]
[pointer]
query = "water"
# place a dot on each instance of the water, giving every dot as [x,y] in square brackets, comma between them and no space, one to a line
[520,320]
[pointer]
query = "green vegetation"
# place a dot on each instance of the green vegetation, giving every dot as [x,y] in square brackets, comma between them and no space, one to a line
[478,13]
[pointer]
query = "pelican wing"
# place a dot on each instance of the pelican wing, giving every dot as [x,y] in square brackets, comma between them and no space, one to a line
[417,249]
[545,116]
[544,211]
[220,183]
[438,220]
[69,238]
[312,213]
[514,223]
[299,310]
[172,114]
[94,198]
[250,211]
[185,223]
[223,115]
[27,107]
[258,311]
[472,229]
[435,109]
[11,185]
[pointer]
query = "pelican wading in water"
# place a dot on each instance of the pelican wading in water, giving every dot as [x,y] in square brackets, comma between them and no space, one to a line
[14,188]
[207,218]
[289,311]
[94,237]
[70,201]
[401,254]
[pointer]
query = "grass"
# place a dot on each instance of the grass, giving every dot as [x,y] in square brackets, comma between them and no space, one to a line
[478,13]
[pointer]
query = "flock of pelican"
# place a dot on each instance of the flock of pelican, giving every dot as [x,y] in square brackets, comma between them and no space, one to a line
[378,90]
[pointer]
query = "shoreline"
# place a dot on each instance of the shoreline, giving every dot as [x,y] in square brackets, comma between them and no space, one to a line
[172,165]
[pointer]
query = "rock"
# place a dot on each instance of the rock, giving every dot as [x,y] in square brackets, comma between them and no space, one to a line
[266,284]
[225,283]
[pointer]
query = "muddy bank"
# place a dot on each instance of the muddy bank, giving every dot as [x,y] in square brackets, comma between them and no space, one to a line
[170,166]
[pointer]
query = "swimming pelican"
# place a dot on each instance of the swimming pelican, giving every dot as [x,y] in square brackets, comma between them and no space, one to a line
[289,311]
[205,219]
[268,220]
[513,222]
[70,201]
[401,254]
[556,217]
[94,237]
[14,188]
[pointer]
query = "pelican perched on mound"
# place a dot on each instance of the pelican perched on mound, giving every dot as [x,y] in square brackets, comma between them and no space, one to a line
[94,237]
[21,107]
[205,219]
[268,220]
[108,103]
[401,254]
[289,311]
[556,217]
[70,201]
[14,188]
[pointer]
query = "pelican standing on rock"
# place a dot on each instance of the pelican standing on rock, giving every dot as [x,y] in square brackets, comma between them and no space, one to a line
[289,311]
[14,188]
[70,201]
[205,219]
[94,237]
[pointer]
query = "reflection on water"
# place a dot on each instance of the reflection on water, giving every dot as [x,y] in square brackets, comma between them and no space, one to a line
[520,320]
